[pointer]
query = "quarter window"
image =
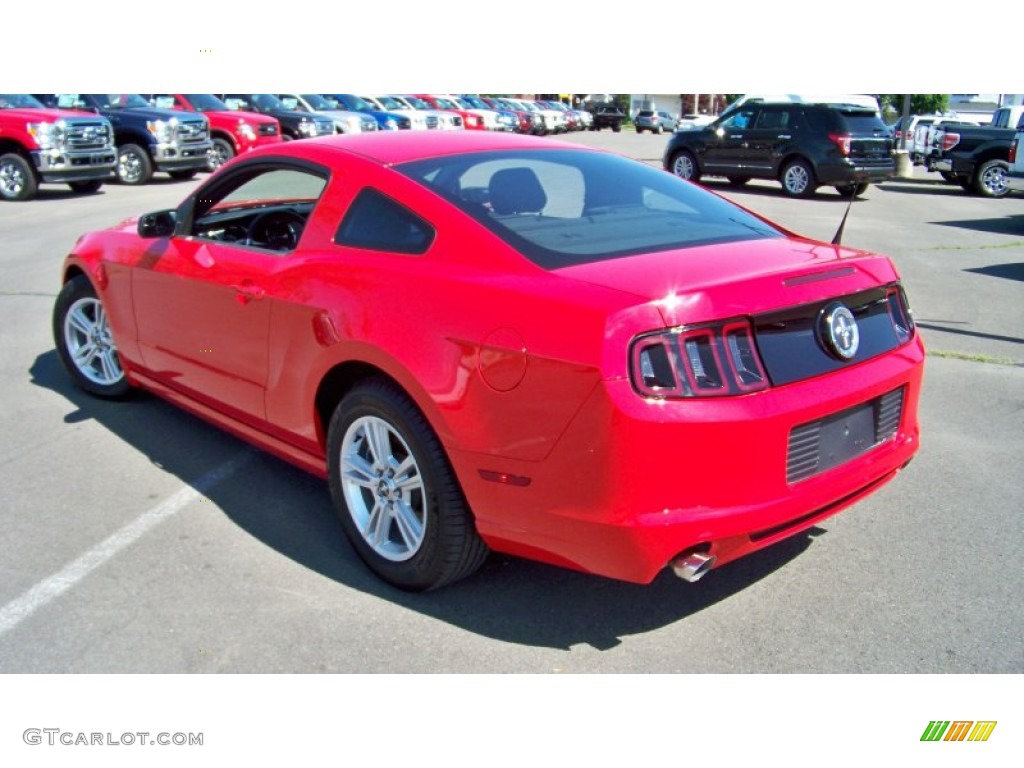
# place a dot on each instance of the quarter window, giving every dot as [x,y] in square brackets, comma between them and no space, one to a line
[377,222]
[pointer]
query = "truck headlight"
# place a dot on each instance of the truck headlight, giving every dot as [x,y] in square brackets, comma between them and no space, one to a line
[161,129]
[246,130]
[307,128]
[47,135]
[390,124]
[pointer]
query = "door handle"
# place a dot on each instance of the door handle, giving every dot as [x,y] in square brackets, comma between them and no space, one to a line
[735,135]
[784,136]
[247,292]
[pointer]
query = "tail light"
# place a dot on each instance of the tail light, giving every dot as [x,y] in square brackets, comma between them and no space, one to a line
[842,142]
[1013,151]
[900,314]
[701,361]
[949,140]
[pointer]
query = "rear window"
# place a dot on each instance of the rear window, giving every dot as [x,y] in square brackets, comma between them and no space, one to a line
[565,207]
[862,122]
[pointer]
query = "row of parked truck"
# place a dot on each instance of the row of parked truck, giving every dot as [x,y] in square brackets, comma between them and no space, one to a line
[84,140]
[977,157]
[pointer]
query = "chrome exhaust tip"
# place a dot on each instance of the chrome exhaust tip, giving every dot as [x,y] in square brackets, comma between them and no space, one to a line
[690,567]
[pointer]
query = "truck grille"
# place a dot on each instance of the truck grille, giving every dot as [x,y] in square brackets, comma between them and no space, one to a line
[192,131]
[91,134]
[268,129]
[432,122]
[324,127]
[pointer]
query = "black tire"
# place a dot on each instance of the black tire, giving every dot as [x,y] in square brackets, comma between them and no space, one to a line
[617,128]
[17,179]
[84,342]
[964,182]
[856,190]
[424,536]
[222,152]
[133,165]
[684,165]
[86,187]
[639,130]
[991,179]
[739,181]
[797,179]
[185,175]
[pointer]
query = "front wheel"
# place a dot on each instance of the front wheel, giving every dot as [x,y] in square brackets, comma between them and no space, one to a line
[221,152]
[17,179]
[991,179]
[798,179]
[684,165]
[396,493]
[84,341]
[133,165]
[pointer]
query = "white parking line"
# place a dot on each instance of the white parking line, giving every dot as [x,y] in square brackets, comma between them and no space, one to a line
[19,609]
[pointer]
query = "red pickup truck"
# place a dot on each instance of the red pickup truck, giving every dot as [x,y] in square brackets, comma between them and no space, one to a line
[40,145]
[233,132]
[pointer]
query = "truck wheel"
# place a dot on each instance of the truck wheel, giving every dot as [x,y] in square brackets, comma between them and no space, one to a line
[222,152]
[17,179]
[991,178]
[86,187]
[133,165]
[684,165]
[616,128]
[182,175]
[798,179]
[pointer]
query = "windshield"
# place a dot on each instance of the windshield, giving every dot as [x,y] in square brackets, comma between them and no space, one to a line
[354,102]
[447,104]
[17,100]
[564,207]
[205,102]
[120,100]
[417,103]
[318,102]
[389,103]
[476,103]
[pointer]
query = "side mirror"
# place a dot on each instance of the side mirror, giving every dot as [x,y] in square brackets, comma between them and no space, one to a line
[158,224]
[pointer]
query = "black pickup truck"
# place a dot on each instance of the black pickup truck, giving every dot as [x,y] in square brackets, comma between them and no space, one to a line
[606,115]
[976,158]
[148,139]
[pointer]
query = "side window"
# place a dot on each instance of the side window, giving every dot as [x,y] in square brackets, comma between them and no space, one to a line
[377,222]
[740,121]
[266,207]
[773,119]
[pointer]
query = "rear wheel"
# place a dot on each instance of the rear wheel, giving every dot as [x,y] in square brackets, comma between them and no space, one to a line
[17,179]
[798,179]
[86,187]
[684,165]
[990,180]
[396,493]
[84,342]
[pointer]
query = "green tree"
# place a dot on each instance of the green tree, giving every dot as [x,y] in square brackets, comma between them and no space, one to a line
[920,103]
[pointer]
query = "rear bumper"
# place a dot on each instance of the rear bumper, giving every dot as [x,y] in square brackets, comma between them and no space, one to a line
[850,173]
[633,483]
[1015,181]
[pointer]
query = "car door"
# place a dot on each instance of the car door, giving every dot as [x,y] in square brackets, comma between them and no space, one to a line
[772,133]
[201,303]
[726,148]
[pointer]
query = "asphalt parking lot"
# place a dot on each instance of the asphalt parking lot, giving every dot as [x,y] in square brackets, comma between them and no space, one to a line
[139,539]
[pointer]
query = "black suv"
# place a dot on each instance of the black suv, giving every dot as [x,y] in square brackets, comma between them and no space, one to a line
[606,115]
[804,146]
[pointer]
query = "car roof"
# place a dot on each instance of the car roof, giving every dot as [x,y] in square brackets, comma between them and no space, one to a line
[388,147]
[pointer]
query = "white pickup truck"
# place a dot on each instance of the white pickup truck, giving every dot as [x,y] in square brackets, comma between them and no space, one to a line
[1015,177]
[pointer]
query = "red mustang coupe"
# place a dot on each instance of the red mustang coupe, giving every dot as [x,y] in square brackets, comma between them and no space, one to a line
[494,342]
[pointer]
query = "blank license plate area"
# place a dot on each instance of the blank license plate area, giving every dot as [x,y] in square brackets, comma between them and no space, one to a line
[845,436]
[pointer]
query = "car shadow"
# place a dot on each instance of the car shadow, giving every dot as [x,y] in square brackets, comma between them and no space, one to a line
[1004,271]
[509,599]
[1002,225]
